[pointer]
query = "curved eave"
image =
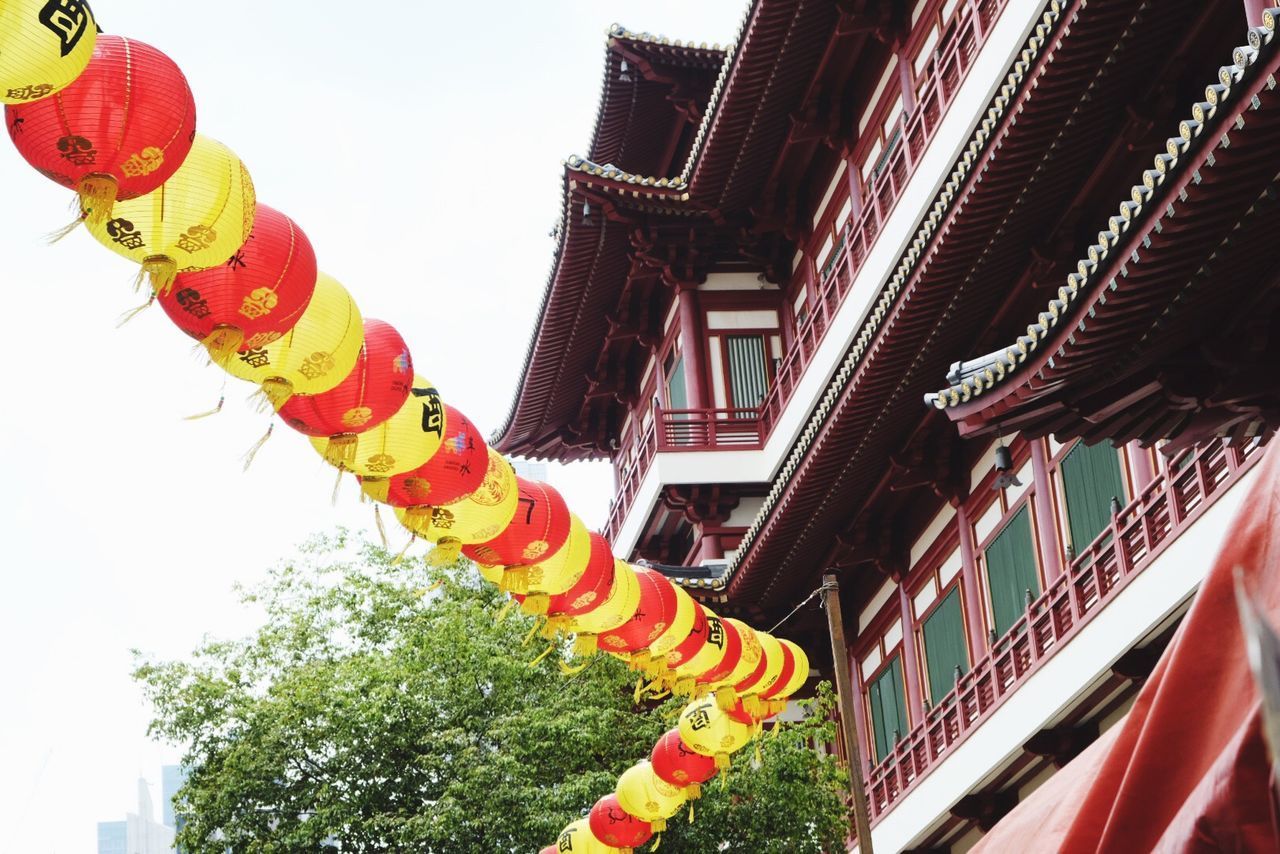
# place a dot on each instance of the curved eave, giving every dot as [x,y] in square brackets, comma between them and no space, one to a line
[986,389]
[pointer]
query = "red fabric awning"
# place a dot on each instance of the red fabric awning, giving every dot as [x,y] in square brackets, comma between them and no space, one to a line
[1187,770]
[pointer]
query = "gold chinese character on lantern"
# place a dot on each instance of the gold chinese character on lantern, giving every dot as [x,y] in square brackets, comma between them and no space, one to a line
[259,303]
[143,163]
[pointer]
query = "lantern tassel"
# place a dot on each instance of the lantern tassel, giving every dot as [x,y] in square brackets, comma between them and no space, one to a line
[584,645]
[446,551]
[537,624]
[639,692]
[134,312]
[399,559]
[656,843]
[377,522]
[257,446]
[58,235]
[341,450]
[726,698]
[684,686]
[221,400]
[556,625]
[515,579]
[161,271]
[533,664]
[276,392]
[506,609]
[337,486]
[222,343]
[568,670]
[722,761]
[377,488]
[691,812]
[97,196]
[694,791]
[536,604]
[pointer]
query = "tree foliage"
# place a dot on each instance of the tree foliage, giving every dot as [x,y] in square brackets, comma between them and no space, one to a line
[387,708]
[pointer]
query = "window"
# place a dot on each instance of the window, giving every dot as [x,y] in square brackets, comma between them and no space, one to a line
[888,708]
[944,645]
[1010,561]
[673,371]
[1091,477]
[748,371]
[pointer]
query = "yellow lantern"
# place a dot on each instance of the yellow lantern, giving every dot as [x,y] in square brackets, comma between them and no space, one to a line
[616,609]
[479,517]
[402,443]
[43,47]
[751,654]
[708,729]
[579,839]
[706,660]
[752,690]
[648,797]
[681,625]
[198,219]
[799,675]
[312,357]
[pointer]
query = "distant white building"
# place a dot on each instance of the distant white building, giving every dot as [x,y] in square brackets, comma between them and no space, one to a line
[141,833]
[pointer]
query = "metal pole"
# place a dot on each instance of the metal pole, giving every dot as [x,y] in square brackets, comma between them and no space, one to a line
[844,691]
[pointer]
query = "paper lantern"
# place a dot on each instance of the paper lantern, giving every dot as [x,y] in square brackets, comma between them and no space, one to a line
[647,797]
[44,45]
[578,839]
[751,707]
[676,764]
[312,357]
[613,825]
[560,571]
[722,637]
[255,297]
[197,219]
[679,629]
[616,608]
[747,663]
[550,849]
[474,519]
[119,131]
[538,529]
[792,682]
[402,443]
[455,470]
[377,388]
[653,615]
[592,587]
[708,729]
[695,641]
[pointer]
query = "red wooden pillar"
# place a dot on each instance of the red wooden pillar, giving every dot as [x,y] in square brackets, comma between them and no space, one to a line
[691,346]
[911,661]
[975,625]
[1253,10]
[1046,525]
[1143,471]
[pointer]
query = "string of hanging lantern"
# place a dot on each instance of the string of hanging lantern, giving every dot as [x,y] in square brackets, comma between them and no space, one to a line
[114,121]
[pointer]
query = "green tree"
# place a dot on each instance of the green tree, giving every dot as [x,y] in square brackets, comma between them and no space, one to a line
[388,708]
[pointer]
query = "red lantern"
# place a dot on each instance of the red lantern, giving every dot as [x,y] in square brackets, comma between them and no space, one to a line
[656,611]
[691,645]
[613,825]
[375,390]
[784,677]
[540,528]
[454,471]
[253,299]
[592,587]
[118,132]
[676,764]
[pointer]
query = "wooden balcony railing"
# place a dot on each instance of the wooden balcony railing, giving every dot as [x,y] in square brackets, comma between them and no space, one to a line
[706,431]
[1136,536]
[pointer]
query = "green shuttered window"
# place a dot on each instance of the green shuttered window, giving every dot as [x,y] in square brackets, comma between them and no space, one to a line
[944,646]
[1011,571]
[888,709]
[1090,478]
[748,372]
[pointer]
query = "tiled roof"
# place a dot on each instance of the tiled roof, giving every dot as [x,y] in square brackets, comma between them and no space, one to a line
[975,377]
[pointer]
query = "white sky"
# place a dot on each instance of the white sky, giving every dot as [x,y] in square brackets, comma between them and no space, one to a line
[418,144]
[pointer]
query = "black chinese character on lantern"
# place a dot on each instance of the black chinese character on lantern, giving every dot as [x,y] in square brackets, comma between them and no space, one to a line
[699,719]
[255,358]
[565,842]
[121,231]
[78,150]
[192,302]
[236,261]
[432,410]
[66,19]
[715,633]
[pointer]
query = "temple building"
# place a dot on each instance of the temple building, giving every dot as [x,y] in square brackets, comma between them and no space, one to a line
[967,300]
